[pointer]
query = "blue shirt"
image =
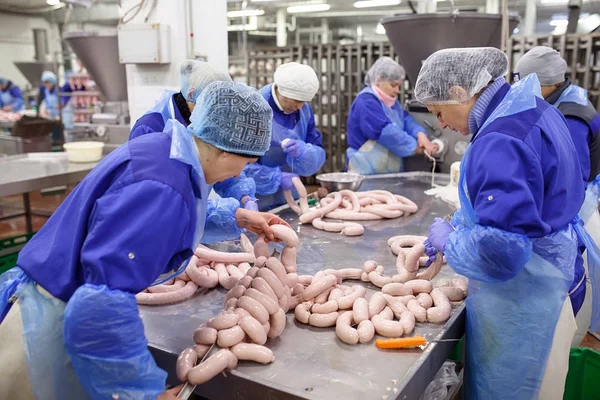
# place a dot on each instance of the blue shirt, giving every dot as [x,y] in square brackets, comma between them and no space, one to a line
[17,97]
[367,120]
[130,219]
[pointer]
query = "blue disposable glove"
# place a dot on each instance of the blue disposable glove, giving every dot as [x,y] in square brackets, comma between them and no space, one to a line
[251,204]
[430,252]
[286,180]
[439,232]
[293,148]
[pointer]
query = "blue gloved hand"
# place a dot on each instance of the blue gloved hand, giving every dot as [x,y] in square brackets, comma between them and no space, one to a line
[430,252]
[251,204]
[293,148]
[439,232]
[286,180]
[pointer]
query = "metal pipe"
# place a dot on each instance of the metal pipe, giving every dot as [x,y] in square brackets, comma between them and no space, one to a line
[189,30]
[281,28]
[574,13]
[505,26]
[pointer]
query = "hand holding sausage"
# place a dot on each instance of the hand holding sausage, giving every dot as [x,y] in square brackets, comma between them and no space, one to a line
[259,222]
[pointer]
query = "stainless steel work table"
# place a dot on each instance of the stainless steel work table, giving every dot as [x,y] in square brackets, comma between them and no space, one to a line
[311,362]
[25,173]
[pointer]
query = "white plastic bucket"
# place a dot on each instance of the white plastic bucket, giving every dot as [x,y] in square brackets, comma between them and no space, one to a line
[84,152]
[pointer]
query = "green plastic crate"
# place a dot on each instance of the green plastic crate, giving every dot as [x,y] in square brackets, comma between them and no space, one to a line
[583,379]
[9,248]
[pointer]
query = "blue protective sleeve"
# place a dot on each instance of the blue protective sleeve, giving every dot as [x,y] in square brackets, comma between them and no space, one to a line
[18,103]
[487,254]
[134,231]
[509,198]
[581,135]
[411,126]
[236,187]
[220,220]
[397,141]
[147,123]
[267,179]
[66,88]
[104,338]
[313,154]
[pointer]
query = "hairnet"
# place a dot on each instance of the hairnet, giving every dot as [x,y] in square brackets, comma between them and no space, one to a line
[234,118]
[545,62]
[3,81]
[385,69]
[48,76]
[471,69]
[196,75]
[296,81]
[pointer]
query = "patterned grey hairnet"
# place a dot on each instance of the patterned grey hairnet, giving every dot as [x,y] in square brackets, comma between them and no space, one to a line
[545,62]
[233,117]
[384,69]
[196,75]
[471,69]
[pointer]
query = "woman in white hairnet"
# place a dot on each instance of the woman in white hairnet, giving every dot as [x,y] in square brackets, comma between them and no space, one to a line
[515,235]
[380,132]
[194,77]
[296,144]
[129,224]
[583,122]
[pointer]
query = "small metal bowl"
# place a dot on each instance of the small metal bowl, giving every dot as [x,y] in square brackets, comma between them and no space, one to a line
[336,181]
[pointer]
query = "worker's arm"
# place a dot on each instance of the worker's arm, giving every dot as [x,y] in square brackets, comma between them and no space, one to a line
[17,103]
[40,98]
[236,188]
[135,233]
[147,123]
[375,125]
[506,205]
[267,179]
[66,88]
[411,126]
[221,222]
[312,155]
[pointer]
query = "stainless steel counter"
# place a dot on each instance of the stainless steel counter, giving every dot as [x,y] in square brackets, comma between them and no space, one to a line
[34,171]
[310,362]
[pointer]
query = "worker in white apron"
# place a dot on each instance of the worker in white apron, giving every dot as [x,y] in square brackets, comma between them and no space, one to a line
[515,235]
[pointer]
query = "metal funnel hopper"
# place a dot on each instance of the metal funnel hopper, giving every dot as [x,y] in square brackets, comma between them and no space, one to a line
[32,70]
[99,54]
[415,37]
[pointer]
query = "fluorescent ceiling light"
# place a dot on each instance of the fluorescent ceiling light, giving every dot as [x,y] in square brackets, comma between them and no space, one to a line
[380,30]
[53,2]
[247,27]
[245,13]
[308,8]
[376,3]
[546,2]
[559,22]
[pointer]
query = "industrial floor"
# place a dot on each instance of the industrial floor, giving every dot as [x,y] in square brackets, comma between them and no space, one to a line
[50,201]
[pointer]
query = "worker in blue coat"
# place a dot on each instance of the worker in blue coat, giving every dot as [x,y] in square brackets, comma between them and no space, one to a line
[584,126]
[296,144]
[132,222]
[515,236]
[380,132]
[48,96]
[11,98]
[194,77]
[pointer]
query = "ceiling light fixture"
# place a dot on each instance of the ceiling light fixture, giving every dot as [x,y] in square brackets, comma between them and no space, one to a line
[245,13]
[380,30]
[53,2]
[375,3]
[308,8]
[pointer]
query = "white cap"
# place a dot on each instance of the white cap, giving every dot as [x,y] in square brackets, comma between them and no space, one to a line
[296,81]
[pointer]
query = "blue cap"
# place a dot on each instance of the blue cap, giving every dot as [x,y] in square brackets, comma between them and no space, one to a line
[3,81]
[234,118]
[48,76]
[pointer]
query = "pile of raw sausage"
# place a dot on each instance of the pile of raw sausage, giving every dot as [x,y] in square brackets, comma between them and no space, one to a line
[349,206]
[391,312]
[207,269]
[9,116]
[254,310]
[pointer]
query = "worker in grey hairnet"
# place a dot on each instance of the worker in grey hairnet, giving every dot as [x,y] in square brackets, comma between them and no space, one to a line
[194,77]
[584,125]
[515,234]
[380,132]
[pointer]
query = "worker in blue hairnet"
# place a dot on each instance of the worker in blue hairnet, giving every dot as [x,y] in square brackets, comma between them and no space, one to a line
[515,236]
[296,144]
[11,98]
[47,103]
[137,216]
[194,77]
[380,132]
[584,126]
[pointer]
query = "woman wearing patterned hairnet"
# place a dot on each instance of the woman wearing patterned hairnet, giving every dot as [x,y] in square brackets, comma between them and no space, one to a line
[296,144]
[515,235]
[136,217]
[194,77]
[380,132]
